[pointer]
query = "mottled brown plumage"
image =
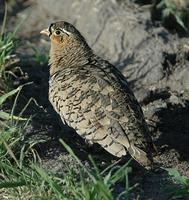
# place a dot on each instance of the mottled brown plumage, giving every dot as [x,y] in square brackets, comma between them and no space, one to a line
[93,97]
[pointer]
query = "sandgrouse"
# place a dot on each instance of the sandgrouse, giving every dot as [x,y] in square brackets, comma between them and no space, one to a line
[93,97]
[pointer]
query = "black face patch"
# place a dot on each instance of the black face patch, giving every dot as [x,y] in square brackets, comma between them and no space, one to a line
[50,29]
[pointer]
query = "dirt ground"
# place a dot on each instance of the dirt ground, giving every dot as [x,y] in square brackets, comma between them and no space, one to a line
[152,58]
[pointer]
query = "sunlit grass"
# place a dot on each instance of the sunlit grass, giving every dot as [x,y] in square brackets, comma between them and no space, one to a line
[181,187]
[23,176]
[7,45]
[179,9]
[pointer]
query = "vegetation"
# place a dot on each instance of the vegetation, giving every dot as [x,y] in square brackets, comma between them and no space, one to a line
[174,10]
[7,45]
[28,180]
[181,187]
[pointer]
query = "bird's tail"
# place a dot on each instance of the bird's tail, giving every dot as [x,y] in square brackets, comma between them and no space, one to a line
[141,157]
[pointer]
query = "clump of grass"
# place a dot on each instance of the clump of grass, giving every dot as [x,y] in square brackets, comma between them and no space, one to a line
[22,175]
[181,187]
[97,185]
[34,182]
[6,48]
[7,45]
[29,180]
[174,11]
[5,115]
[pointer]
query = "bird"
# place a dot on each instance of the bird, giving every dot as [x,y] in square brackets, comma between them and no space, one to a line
[93,97]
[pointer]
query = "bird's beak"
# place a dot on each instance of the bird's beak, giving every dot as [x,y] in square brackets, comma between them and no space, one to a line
[45,32]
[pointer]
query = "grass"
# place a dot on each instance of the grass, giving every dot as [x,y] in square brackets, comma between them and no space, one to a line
[31,181]
[23,177]
[177,9]
[181,187]
[7,45]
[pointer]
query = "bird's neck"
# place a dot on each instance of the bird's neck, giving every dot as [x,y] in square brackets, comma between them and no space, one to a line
[68,57]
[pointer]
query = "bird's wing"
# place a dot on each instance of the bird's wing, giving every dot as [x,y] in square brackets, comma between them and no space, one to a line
[99,105]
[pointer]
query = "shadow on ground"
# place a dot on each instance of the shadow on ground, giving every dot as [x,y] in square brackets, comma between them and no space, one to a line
[174,127]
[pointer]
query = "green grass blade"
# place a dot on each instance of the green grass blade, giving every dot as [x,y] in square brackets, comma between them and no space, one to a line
[9,150]
[177,177]
[7,116]
[76,158]
[4,19]
[120,173]
[49,180]
[12,184]
[7,95]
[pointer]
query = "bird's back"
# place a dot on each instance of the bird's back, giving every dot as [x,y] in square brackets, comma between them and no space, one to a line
[96,101]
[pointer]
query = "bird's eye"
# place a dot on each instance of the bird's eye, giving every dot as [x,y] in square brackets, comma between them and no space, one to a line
[57,32]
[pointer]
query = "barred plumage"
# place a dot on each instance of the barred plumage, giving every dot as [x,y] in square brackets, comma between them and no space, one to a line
[94,98]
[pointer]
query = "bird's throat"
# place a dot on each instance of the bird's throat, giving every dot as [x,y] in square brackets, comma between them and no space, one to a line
[67,57]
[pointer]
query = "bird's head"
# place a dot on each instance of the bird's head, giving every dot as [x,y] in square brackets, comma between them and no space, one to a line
[63,33]
[67,45]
